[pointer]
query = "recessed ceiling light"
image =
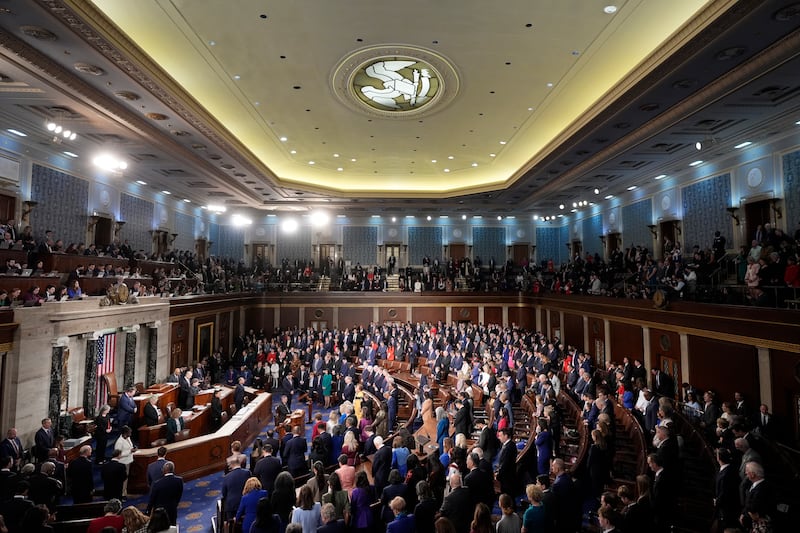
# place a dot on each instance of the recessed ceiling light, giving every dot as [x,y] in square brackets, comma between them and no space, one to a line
[492,155]
[428,218]
[561,206]
[447,170]
[341,216]
[477,216]
[394,219]
[549,84]
[502,142]
[610,10]
[474,164]
[353,160]
[573,210]
[433,161]
[340,169]
[798,122]
[237,77]
[284,139]
[609,196]
[499,217]
[596,191]
[696,163]
[17,132]
[335,155]
[535,217]
[140,182]
[310,162]
[444,216]
[560,216]
[450,157]
[660,177]
[166,192]
[744,144]
[212,43]
[376,216]
[632,187]
[187,200]
[71,154]
[410,216]
[530,109]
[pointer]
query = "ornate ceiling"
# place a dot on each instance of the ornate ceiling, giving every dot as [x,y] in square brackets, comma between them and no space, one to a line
[417,107]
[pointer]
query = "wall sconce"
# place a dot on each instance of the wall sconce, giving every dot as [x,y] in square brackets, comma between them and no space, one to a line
[775,209]
[652,228]
[677,225]
[174,236]
[732,212]
[118,225]
[602,239]
[28,206]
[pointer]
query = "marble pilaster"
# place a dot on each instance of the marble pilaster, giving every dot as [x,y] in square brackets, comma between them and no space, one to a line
[56,376]
[129,365]
[90,377]
[152,353]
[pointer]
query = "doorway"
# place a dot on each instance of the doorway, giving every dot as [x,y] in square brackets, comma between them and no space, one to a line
[392,251]
[327,257]
[612,244]
[576,249]
[666,230]
[458,251]
[671,366]
[521,254]
[261,256]
[102,233]
[7,208]
[756,214]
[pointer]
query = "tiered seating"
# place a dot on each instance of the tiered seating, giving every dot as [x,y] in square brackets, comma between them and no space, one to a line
[695,500]
[630,448]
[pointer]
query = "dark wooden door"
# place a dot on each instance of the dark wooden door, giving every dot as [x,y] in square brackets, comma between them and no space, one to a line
[521,253]
[756,214]
[666,230]
[8,205]
[458,251]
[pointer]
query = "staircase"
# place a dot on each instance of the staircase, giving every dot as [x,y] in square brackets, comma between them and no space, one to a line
[393,283]
[695,502]
[324,284]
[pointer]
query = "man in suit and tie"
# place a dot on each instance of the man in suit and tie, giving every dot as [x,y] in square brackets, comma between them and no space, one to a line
[664,494]
[126,408]
[233,485]
[462,418]
[44,440]
[479,482]
[457,506]
[567,503]
[267,469]
[81,479]
[766,423]
[391,407]
[294,453]
[175,424]
[167,493]
[15,509]
[185,396]
[114,475]
[151,412]
[381,464]
[663,385]
[758,501]
[349,390]
[726,497]
[238,393]
[507,462]
[155,470]
[8,480]
[282,411]
[12,447]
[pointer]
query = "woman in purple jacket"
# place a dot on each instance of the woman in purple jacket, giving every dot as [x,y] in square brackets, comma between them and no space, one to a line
[360,500]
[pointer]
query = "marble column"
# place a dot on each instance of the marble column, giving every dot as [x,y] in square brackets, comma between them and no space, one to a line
[129,370]
[56,379]
[90,381]
[152,353]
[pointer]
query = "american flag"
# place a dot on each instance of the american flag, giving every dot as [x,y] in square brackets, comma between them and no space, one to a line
[106,349]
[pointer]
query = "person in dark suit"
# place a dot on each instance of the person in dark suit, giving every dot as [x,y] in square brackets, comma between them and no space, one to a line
[175,424]
[8,480]
[506,468]
[151,412]
[44,440]
[457,506]
[103,428]
[80,476]
[114,475]
[765,423]
[184,390]
[15,509]
[664,494]
[391,407]
[273,441]
[479,482]
[759,502]
[216,410]
[233,485]
[282,411]
[294,453]
[403,522]
[155,470]
[12,447]
[663,384]
[567,501]
[348,390]
[267,469]
[126,408]
[167,493]
[238,393]
[44,488]
[726,496]
[329,522]
[381,464]
[462,419]
[487,441]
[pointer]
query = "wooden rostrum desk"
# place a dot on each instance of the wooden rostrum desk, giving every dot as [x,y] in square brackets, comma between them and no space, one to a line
[205,454]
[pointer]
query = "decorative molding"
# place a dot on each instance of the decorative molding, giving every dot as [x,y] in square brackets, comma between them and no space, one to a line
[60,342]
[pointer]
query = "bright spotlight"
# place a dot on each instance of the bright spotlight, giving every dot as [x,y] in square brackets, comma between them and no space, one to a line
[289,225]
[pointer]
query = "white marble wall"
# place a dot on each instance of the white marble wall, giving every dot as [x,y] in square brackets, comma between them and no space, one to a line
[27,376]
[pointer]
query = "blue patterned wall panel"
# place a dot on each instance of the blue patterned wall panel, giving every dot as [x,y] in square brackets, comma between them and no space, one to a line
[488,243]
[563,239]
[704,212]
[424,241]
[231,242]
[213,237]
[294,246]
[551,244]
[63,204]
[138,217]
[360,244]
[791,189]
[635,219]
[184,227]
[592,229]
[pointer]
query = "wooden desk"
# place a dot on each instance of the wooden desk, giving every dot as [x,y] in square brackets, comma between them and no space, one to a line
[198,422]
[73,452]
[206,454]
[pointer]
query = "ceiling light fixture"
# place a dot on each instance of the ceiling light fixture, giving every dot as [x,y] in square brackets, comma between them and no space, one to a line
[284,139]
[215,208]
[60,133]
[447,170]
[696,163]
[289,225]
[187,200]
[499,217]
[492,155]
[140,182]
[609,196]
[166,192]
[394,219]
[610,10]
[561,206]
[70,154]
[502,142]
[660,177]
[632,187]
[474,164]
[463,217]
[743,145]
[16,132]
[110,162]
[535,217]
[428,218]
[319,218]
[596,191]
[240,220]
[292,152]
